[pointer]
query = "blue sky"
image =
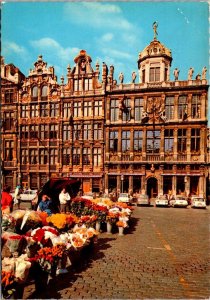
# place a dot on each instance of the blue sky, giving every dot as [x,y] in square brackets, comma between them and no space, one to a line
[113,32]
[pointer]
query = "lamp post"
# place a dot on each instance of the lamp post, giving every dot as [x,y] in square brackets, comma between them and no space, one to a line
[122,179]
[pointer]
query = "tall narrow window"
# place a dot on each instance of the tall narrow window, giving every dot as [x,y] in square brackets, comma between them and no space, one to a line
[114,110]
[10,96]
[126,110]
[44,110]
[169,108]
[24,129]
[153,141]
[67,110]
[8,120]
[66,156]
[138,109]
[96,157]
[125,141]
[53,131]
[98,108]
[76,131]
[23,112]
[143,76]
[44,131]
[43,156]
[182,140]
[77,109]
[33,156]
[86,156]
[44,93]
[113,141]
[169,140]
[97,131]
[53,156]
[66,132]
[195,139]
[78,85]
[154,74]
[196,107]
[34,110]
[9,145]
[88,84]
[24,156]
[182,107]
[34,93]
[138,140]
[34,131]
[87,131]
[76,156]
[54,109]
[87,108]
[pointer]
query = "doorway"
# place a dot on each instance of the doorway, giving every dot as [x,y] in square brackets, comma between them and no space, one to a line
[152,187]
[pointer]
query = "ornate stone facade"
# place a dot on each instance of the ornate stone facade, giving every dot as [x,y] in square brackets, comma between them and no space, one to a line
[148,136]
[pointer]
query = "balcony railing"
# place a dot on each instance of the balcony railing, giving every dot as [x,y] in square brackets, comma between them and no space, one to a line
[9,164]
[153,157]
[125,157]
[182,157]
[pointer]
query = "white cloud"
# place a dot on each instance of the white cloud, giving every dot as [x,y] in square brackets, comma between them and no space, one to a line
[117,53]
[11,47]
[97,15]
[51,47]
[107,37]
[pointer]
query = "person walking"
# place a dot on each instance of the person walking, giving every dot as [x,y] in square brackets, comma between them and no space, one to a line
[6,200]
[17,197]
[64,199]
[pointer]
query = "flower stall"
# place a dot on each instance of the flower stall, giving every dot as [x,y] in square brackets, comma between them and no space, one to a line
[38,246]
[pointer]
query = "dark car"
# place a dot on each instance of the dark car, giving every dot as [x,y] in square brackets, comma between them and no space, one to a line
[53,187]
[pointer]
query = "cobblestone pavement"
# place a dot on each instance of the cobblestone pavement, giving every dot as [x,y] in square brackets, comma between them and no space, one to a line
[163,255]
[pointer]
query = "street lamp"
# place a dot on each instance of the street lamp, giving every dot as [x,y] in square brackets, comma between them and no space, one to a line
[122,179]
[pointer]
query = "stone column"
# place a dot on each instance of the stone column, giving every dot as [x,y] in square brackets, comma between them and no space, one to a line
[160,181]
[131,144]
[174,185]
[162,150]
[189,105]
[143,179]
[203,105]
[119,144]
[176,97]
[187,185]
[175,143]
[106,180]
[188,144]
[203,145]
[144,144]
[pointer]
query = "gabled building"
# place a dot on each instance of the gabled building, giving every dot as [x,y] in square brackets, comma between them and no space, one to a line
[148,136]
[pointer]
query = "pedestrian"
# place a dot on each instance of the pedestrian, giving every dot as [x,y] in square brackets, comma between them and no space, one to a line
[34,201]
[17,197]
[46,205]
[6,199]
[64,199]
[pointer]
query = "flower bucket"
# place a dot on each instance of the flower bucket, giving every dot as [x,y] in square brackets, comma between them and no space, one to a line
[98,226]
[109,227]
[121,230]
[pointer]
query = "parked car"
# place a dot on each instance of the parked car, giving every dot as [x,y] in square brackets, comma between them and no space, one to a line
[198,202]
[161,200]
[179,201]
[26,195]
[143,199]
[124,197]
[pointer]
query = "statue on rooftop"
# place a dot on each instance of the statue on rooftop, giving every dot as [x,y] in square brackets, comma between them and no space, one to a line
[121,77]
[176,73]
[133,76]
[154,26]
[204,70]
[190,73]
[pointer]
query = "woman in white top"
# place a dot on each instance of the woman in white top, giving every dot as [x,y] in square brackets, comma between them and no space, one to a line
[64,197]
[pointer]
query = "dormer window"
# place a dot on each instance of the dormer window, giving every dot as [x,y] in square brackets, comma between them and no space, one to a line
[35,93]
[44,93]
[154,74]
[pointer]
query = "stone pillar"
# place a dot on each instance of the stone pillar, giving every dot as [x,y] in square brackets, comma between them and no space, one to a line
[174,185]
[176,97]
[119,145]
[108,108]
[203,105]
[132,107]
[160,180]
[175,143]
[143,179]
[189,105]
[131,144]
[187,185]
[203,145]
[188,144]
[130,183]
[162,150]
[144,144]
[106,180]
[201,185]
[118,183]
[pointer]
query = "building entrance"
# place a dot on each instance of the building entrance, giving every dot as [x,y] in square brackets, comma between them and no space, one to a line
[152,187]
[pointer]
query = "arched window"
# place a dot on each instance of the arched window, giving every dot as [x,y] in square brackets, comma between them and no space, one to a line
[44,92]
[35,93]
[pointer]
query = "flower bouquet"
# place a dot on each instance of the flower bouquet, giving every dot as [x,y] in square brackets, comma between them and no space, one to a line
[88,220]
[16,243]
[122,224]
[57,220]
[8,284]
[48,257]
[8,222]
[112,217]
